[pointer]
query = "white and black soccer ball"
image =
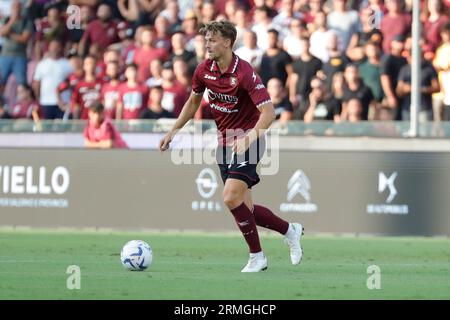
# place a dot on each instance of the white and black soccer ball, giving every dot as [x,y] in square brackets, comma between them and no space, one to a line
[136,255]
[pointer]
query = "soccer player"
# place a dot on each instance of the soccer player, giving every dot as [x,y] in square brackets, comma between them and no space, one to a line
[242,110]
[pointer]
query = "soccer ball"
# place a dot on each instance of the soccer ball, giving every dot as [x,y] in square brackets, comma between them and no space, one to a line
[136,255]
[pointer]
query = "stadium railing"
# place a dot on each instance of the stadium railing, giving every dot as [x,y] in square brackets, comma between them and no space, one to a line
[390,129]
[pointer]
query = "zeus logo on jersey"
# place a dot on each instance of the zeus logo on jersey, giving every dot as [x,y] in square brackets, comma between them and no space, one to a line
[207,76]
[259,86]
[222,97]
[254,77]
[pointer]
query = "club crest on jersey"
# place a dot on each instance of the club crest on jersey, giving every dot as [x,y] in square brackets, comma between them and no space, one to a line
[233,81]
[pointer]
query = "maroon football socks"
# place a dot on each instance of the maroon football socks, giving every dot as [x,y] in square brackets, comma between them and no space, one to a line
[246,223]
[265,218]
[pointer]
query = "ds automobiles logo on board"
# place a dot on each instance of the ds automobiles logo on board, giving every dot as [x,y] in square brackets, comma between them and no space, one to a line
[387,183]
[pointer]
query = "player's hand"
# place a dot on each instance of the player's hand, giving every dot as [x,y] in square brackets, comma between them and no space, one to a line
[164,144]
[241,145]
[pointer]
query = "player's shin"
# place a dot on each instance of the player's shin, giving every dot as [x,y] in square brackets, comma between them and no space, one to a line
[246,223]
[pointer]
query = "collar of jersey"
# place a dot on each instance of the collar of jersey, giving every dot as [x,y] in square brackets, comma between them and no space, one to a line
[231,68]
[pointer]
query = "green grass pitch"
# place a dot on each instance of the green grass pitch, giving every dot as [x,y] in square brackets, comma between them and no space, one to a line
[207,266]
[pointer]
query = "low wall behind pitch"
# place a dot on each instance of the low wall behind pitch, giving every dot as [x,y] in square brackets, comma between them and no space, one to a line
[391,193]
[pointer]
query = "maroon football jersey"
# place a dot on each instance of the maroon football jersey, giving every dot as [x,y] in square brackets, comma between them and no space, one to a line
[234,96]
[84,95]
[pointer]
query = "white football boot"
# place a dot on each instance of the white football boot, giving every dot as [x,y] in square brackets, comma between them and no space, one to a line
[292,239]
[256,263]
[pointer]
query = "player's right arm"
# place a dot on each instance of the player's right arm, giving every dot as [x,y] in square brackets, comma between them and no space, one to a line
[187,113]
[189,108]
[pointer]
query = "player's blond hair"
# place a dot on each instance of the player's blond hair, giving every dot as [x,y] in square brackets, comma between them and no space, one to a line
[224,27]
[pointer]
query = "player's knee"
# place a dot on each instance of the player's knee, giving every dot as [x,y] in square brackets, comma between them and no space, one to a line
[232,198]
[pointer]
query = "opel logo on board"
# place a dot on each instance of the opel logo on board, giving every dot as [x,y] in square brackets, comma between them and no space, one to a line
[207,183]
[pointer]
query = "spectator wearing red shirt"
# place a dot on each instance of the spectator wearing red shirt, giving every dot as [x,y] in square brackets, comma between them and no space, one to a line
[175,94]
[87,91]
[433,24]
[126,42]
[395,22]
[145,54]
[110,90]
[100,133]
[101,31]
[133,95]
[110,55]
[26,107]
[65,88]
[47,29]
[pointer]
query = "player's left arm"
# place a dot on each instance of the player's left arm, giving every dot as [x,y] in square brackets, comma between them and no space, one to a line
[266,118]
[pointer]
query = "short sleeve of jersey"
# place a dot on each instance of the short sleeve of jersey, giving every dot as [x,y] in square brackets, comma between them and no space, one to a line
[252,83]
[198,86]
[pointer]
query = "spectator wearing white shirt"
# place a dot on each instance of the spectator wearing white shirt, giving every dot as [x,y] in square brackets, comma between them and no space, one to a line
[320,38]
[262,25]
[291,42]
[344,22]
[285,16]
[50,72]
[240,20]
[250,51]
